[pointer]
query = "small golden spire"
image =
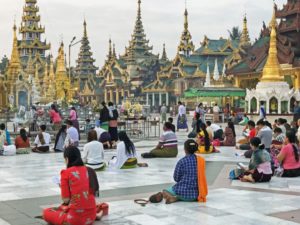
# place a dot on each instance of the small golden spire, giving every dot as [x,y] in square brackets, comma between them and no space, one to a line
[114,51]
[15,57]
[245,39]
[110,49]
[61,66]
[272,71]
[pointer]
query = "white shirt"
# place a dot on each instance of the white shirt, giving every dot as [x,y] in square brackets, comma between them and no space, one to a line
[47,139]
[215,127]
[216,109]
[181,110]
[99,131]
[122,156]
[93,153]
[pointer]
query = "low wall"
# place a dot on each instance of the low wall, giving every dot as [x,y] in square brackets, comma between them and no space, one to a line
[272,117]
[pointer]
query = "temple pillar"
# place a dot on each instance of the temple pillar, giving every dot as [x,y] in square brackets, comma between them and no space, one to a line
[167,99]
[296,80]
[289,106]
[237,82]
[279,107]
[160,100]
[153,99]
[249,106]
[147,99]
[257,105]
[268,106]
[123,94]
[117,97]
[105,95]
[111,95]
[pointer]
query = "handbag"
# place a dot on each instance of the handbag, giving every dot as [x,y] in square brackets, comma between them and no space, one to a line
[9,150]
[192,134]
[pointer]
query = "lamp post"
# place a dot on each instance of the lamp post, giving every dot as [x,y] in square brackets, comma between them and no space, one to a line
[70,46]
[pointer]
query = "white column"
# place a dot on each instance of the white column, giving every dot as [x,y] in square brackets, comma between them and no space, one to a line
[167,99]
[268,106]
[147,99]
[160,101]
[279,107]
[257,105]
[249,106]
[153,99]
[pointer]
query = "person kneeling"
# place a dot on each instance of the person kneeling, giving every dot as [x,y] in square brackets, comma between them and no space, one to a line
[260,169]
[126,153]
[167,146]
[190,179]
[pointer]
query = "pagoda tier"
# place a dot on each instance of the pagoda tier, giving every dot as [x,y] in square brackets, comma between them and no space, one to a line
[85,68]
[31,32]
[138,45]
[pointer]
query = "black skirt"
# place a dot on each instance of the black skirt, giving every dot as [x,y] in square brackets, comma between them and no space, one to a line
[113,131]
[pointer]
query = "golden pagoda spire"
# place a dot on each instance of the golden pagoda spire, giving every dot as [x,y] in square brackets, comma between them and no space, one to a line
[110,49]
[164,54]
[15,57]
[51,72]
[46,78]
[245,39]
[61,66]
[272,71]
[186,45]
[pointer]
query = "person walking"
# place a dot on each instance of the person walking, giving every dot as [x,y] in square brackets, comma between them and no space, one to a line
[182,119]
[104,116]
[113,124]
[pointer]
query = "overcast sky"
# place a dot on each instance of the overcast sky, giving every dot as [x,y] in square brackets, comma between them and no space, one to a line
[162,19]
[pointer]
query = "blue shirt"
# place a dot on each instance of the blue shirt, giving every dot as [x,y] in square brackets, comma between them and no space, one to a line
[186,176]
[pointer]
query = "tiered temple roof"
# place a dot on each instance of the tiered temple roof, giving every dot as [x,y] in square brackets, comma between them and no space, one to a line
[85,69]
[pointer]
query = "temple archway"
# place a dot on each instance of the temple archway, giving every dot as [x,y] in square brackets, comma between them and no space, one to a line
[273,105]
[253,105]
[23,98]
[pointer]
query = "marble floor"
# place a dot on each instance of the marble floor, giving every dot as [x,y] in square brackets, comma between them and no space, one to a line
[27,179]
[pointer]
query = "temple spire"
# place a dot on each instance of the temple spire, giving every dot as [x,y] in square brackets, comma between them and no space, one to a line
[207,79]
[216,71]
[84,29]
[186,45]
[109,50]
[272,71]
[245,39]
[114,51]
[61,66]
[164,56]
[15,57]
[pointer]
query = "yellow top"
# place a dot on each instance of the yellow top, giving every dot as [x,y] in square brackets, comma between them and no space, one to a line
[272,71]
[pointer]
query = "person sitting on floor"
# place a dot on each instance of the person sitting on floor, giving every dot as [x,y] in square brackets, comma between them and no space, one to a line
[203,141]
[79,186]
[103,136]
[170,120]
[93,152]
[189,176]
[126,153]
[22,142]
[216,129]
[260,169]
[7,134]
[229,135]
[251,133]
[42,141]
[245,120]
[289,156]
[72,138]
[167,146]
[60,139]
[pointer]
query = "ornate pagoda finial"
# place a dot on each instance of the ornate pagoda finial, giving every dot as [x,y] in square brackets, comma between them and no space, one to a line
[110,50]
[272,70]
[84,29]
[114,51]
[245,39]
[186,44]
[61,66]
[164,54]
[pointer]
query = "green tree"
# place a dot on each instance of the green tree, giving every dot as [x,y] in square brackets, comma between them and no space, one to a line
[3,64]
[235,33]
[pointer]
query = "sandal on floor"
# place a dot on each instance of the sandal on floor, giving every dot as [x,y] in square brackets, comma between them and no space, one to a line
[142,165]
[141,202]
[156,198]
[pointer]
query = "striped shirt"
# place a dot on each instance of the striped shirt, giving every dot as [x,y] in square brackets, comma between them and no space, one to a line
[168,139]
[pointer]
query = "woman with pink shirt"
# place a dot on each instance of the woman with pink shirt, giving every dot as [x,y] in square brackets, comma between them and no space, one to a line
[289,156]
[73,117]
[55,117]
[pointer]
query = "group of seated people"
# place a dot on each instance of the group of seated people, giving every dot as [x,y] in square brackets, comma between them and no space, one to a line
[271,149]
